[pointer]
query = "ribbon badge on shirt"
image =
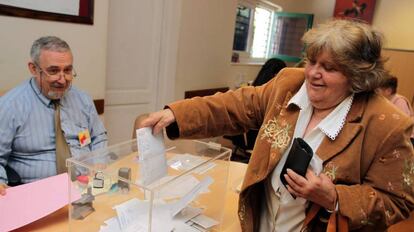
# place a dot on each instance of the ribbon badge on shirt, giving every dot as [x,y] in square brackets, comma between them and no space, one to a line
[276,133]
[84,138]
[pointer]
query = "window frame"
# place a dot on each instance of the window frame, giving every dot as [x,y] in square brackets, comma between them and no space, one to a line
[245,57]
[309,19]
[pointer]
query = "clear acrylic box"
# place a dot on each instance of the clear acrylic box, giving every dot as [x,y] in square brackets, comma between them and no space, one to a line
[109,189]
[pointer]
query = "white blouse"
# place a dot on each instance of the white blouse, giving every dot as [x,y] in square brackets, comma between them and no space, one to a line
[280,212]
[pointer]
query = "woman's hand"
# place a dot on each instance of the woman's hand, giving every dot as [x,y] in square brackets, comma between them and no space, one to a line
[158,120]
[318,189]
[3,189]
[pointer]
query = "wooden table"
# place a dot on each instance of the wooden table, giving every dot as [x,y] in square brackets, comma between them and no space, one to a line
[58,221]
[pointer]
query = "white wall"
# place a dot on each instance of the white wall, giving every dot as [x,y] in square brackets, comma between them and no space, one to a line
[206,41]
[205,44]
[204,48]
[395,19]
[88,43]
[206,38]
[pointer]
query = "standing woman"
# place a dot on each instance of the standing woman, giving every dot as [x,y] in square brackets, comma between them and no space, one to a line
[361,174]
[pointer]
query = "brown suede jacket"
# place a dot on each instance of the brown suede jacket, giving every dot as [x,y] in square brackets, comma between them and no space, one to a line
[371,161]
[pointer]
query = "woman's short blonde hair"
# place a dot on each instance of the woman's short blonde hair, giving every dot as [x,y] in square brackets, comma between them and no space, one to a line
[354,47]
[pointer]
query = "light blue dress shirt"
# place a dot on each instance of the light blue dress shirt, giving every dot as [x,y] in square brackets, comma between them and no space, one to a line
[27,133]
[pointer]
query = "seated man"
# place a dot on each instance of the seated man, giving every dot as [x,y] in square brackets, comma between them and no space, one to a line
[46,120]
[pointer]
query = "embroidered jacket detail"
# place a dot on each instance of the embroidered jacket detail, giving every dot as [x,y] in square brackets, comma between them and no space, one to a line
[277,134]
[408,174]
[330,170]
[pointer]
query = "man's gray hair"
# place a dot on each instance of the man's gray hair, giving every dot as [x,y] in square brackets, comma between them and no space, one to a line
[50,43]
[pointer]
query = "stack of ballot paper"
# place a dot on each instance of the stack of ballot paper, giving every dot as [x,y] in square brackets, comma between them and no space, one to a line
[151,155]
[133,215]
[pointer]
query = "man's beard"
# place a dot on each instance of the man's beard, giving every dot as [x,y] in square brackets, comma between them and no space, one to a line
[54,95]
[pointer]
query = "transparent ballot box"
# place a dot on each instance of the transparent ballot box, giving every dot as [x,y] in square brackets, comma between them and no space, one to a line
[116,189]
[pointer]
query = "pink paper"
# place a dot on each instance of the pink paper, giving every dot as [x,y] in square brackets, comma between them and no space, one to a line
[26,203]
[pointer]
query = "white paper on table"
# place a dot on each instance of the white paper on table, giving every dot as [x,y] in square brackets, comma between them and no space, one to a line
[180,220]
[151,151]
[112,225]
[197,226]
[134,215]
[131,212]
[187,213]
[184,227]
[204,221]
[43,196]
[190,196]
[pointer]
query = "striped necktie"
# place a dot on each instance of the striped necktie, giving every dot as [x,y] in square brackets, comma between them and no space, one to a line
[62,148]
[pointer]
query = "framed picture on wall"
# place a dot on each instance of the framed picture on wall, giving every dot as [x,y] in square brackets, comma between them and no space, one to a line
[357,9]
[73,11]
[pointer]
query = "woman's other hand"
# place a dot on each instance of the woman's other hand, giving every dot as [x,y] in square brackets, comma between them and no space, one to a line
[318,189]
[158,120]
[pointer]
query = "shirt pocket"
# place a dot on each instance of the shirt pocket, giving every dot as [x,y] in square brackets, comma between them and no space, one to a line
[72,130]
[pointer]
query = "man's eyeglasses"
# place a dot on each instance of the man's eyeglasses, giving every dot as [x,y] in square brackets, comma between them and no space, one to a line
[54,73]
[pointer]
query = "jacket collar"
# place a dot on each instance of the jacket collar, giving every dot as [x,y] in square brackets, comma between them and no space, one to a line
[328,148]
[329,125]
[352,127]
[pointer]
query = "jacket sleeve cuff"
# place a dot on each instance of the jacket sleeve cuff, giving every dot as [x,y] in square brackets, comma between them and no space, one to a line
[173,131]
